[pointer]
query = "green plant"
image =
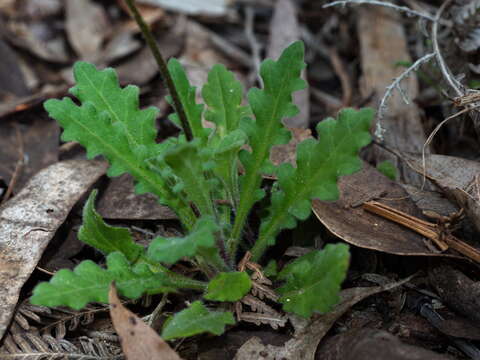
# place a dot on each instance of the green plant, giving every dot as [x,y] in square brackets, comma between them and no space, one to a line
[388,169]
[200,181]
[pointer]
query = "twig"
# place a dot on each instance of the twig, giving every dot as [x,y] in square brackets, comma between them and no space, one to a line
[395,85]
[18,167]
[420,226]
[433,133]
[339,68]
[252,40]
[447,75]
[425,228]
[381,3]
[162,66]
[313,42]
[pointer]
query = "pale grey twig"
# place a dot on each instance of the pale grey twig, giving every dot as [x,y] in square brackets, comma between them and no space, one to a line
[254,45]
[395,85]
[447,75]
[382,3]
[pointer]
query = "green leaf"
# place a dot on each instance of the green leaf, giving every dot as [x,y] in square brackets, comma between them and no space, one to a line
[95,232]
[387,169]
[186,92]
[319,165]
[195,320]
[110,123]
[170,250]
[223,95]
[270,106]
[188,164]
[313,280]
[90,283]
[271,271]
[231,286]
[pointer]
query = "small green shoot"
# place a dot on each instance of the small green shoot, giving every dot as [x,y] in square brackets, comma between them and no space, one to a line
[388,169]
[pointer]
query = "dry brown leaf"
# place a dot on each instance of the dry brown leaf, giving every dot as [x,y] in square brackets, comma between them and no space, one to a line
[12,81]
[139,341]
[346,219]
[35,144]
[119,201]
[30,219]
[458,178]
[373,344]
[31,38]
[457,291]
[87,27]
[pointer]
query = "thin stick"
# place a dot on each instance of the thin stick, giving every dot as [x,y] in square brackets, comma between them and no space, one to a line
[382,3]
[339,68]
[394,85]
[420,226]
[447,75]
[252,40]
[162,66]
[433,133]
[18,167]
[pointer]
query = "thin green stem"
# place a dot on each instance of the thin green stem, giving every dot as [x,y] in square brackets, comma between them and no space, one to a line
[162,66]
[178,280]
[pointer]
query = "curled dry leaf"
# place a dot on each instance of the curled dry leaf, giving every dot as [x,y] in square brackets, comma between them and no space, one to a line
[29,221]
[347,220]
[458,178]
[139,341]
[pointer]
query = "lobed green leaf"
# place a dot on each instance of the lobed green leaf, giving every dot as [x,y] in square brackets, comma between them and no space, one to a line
[312,282]
[95,232]
[88,282]
[109,122]
[228,286]
[170,250]
[187,93]
[319,165]
[223,96]
[194,320]
[270,106]
[190,167]
[388,169]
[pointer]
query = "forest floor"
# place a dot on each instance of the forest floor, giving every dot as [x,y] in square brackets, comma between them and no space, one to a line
[411,216]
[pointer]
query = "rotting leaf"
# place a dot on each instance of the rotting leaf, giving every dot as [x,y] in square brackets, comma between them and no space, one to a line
[138,340]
